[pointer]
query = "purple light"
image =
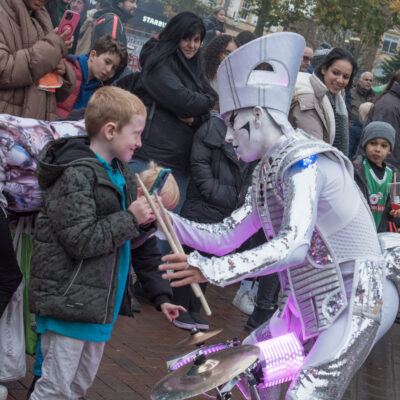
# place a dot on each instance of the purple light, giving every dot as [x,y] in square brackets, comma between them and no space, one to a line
[191,356]
[283,357]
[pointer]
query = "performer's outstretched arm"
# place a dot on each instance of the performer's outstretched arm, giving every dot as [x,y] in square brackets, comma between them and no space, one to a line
[301,191]
[221,238]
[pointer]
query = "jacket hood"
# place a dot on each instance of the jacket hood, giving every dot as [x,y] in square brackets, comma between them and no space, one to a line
[309,84]
[146,51]
[59,154]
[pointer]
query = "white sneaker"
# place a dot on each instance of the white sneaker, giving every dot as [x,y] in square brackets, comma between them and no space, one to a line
[244,301]
[3,392]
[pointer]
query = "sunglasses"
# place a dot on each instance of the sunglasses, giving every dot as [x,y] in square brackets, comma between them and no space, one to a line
[307,59]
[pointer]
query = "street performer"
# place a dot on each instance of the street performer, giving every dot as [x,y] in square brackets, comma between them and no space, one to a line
[320,235]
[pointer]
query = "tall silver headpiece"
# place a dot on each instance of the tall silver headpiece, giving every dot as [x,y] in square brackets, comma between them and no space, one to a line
[243,81]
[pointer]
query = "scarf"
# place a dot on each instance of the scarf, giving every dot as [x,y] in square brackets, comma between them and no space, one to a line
[341,140]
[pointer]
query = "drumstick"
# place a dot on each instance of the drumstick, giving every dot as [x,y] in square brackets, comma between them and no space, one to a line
[195,286]
[394,185]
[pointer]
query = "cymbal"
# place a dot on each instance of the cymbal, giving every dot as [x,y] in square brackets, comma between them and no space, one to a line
[216,369]
[197,338]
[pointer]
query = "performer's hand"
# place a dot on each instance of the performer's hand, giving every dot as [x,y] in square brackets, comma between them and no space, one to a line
[171,311]
[184,275]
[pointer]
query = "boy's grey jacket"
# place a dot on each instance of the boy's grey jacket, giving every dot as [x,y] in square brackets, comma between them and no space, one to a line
[78,233]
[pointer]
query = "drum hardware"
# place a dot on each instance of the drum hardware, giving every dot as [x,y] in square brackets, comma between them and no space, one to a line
[177,361]
[246,383]
[206,372]
[226,365]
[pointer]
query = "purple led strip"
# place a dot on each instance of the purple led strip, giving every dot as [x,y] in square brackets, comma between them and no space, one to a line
[191,357]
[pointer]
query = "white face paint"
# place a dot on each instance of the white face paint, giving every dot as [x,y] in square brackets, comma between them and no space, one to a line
[252,132]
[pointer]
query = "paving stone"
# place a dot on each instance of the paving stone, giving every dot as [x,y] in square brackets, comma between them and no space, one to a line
[135,357]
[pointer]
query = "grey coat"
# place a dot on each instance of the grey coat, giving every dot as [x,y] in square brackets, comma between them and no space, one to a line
[78,234]
[387,109]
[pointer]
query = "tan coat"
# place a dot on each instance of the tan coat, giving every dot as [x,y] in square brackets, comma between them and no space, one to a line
[28,50]
[311,110]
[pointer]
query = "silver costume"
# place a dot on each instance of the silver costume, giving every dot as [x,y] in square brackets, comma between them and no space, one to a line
[312,280]
[321,238]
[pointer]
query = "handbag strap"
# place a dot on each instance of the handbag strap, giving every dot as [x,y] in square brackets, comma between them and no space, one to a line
[24,225]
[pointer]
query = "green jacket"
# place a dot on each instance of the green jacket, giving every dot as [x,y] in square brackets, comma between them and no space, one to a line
[78,233]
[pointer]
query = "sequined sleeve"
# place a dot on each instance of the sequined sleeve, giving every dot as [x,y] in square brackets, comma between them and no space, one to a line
[301,188]
[221,238]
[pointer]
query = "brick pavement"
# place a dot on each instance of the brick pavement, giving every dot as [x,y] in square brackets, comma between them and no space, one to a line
[134,358]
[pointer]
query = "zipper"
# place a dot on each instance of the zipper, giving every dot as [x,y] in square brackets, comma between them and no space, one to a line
[74,278]
[109,292]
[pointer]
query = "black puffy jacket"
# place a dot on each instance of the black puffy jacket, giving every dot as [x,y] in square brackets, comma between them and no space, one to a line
[219,181]
[172,88]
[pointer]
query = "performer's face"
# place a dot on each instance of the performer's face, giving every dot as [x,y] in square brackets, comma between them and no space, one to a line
[246,132]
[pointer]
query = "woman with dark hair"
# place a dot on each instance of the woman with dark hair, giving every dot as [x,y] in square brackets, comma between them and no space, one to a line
[214,24]
[220,47]
[318,105]
[178,97]
[387,108]
[218,184]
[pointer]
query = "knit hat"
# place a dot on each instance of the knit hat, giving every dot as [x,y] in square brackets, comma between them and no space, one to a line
[378,129]
[320,53]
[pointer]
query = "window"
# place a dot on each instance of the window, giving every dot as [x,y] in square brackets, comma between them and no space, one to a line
[245,11]
[390,44]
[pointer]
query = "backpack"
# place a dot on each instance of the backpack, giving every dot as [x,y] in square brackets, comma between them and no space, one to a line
[85,39]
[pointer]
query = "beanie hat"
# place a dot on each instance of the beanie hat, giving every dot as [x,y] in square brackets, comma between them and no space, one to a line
[378,129]
[320,53]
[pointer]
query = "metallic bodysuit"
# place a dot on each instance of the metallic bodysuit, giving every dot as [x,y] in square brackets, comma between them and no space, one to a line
[309,251]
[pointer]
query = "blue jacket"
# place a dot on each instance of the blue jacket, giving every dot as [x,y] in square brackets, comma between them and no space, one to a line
[83,90]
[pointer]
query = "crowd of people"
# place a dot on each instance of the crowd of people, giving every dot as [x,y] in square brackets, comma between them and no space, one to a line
[94,232]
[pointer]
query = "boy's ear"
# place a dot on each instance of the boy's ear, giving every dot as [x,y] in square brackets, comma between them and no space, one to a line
[92,54]
[109,130]
[139,192]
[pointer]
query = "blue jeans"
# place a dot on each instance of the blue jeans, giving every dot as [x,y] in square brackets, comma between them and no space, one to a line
[138,165]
